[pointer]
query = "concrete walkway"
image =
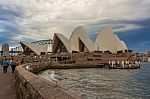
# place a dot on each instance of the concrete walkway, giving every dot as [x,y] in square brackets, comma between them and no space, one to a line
[7,84]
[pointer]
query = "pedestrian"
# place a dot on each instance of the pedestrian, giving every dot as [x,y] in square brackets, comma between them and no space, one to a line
[5,64]
[22,61]
[13,65]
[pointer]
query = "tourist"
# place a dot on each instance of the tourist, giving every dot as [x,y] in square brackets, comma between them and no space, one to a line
[13,65]
[22,61]
[10,61]
[5,64]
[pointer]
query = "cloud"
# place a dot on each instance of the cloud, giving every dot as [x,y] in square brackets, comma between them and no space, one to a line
[40,19]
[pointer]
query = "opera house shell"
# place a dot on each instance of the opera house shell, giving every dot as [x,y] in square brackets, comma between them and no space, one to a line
[79,42]
[32,48]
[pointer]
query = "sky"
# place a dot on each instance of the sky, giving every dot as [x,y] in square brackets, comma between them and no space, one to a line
[32,20]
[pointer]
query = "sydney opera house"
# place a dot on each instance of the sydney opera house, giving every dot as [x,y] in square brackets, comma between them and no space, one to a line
[79,41]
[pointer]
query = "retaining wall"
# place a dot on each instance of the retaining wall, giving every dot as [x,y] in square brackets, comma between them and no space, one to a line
[31,86]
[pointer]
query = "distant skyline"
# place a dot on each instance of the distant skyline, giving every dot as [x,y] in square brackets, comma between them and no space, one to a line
[31,20]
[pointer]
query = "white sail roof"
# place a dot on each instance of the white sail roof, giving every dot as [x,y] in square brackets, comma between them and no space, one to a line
[120,46]
[79,41]
[32,47]
[63,39]
[124,45]
[80,34]
[106,40]
[36,49]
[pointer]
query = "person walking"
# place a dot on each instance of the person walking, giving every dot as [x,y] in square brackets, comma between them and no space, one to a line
[22,61]
[13,65]
[5,64]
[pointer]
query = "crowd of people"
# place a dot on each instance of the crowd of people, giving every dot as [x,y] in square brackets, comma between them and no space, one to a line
[5,63]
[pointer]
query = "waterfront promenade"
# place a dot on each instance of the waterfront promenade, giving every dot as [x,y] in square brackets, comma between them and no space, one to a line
[7,85]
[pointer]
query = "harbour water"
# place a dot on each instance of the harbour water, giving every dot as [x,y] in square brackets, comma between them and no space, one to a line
[100,83]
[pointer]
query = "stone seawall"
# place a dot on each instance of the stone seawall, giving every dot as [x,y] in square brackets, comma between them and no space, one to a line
[31,86]
[44,66]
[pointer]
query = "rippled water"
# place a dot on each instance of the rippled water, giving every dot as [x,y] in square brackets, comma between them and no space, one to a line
[106,84]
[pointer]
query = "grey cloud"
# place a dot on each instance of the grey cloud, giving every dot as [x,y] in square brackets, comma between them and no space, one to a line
[39,18]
